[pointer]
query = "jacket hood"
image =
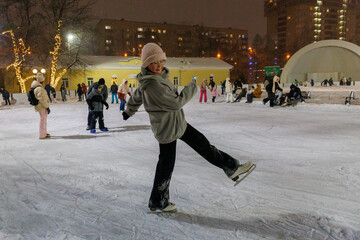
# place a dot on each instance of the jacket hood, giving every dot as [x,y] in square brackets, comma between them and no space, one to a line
[35,84]
[146,77]
[124,81]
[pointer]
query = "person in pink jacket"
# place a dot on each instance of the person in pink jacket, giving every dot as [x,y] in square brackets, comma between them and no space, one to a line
[43,106]
[214,93]
[122,92]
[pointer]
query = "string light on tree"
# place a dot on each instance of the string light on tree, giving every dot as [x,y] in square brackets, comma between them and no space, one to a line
[54,79]
[20,51]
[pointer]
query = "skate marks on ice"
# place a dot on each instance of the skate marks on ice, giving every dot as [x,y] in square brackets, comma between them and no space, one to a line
[76,137]
[130,128]
[284,226]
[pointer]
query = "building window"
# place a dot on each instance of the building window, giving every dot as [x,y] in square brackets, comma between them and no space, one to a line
[140,29]
[65,81]
[108,27]
[152,37]
[231,35]
[108,41]
[180,38]
[90,81]
[152,30]
[127,43]
[140,36]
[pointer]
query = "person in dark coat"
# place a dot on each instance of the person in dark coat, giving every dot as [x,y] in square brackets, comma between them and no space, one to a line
[212,83]
[114,88]
[104,93]
[271,88]
[96,101]
[48,89]
[79,91]
[5,95]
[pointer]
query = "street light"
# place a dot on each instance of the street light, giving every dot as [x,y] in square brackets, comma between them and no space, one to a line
[35,71]
[42,70]
[70,38]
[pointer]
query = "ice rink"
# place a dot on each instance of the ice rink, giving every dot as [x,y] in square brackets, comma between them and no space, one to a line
[79,185]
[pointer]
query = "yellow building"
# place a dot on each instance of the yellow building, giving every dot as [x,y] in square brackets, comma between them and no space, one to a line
[182,70]
[92,68]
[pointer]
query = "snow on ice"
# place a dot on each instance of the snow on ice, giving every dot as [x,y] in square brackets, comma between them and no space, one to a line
[83,186]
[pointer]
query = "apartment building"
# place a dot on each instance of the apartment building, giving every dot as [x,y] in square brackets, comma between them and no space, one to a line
[293,24]
[126,38]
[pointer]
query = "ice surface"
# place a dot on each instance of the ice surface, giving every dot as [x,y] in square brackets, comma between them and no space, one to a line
[82,186]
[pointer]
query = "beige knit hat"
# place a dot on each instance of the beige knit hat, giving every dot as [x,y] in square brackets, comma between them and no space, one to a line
[150,53]
[40,77]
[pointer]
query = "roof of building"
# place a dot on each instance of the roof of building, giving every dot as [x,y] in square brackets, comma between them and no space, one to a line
[116,62]
[327,56]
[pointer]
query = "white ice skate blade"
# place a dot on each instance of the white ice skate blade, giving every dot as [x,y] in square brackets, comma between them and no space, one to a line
[245,174]
[158,211]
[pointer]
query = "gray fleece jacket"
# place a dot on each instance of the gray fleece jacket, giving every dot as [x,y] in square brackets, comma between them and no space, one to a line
[162,103]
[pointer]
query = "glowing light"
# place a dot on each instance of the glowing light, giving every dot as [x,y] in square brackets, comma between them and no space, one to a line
[35,71]
[20,51]
[42,70]
[218,55]
[54,79]
[125,54]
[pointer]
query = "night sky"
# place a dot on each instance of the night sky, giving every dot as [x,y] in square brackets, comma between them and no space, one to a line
[240,14]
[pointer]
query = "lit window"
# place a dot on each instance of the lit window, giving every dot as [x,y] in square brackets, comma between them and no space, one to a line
[164,31]
[140,29]
[140,36]
[159,31]
[231,35]
[107,27]
[153,37]
[108,41]
[152,30]
[180,38]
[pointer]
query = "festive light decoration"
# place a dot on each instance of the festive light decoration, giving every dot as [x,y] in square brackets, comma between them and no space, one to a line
[20,51]
[55,79]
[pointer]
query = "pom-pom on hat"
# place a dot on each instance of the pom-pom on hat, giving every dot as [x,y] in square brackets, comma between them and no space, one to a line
[150,53]
[40,77]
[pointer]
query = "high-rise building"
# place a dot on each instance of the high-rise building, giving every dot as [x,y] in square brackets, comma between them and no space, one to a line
[126,38]
[292,24]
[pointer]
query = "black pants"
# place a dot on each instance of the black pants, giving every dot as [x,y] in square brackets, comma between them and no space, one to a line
[165,166]
[97,115]
[7,101]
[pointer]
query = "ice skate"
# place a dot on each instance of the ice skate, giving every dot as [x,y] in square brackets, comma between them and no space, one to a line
[242,172]
[171,208]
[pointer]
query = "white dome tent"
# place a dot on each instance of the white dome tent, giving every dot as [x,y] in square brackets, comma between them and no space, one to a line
[322,60]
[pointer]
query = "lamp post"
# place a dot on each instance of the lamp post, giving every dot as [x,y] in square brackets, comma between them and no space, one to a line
[70,38]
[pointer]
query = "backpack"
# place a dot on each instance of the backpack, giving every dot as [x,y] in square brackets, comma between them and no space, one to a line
[31,97]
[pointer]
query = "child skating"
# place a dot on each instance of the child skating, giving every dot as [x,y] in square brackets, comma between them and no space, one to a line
[165,108]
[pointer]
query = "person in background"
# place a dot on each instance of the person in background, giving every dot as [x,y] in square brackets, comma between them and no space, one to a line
[79,92]
[96,101]
[63,92]
[53,94]
[104,93]
[214,93]
[114,90]
[165,108]
[123,92]
[257,92]
[229,91]
[240,93]
[250,95]
[203,87]
[48,89]
[43,107]
[84,90]
[211,83]
[5,95]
